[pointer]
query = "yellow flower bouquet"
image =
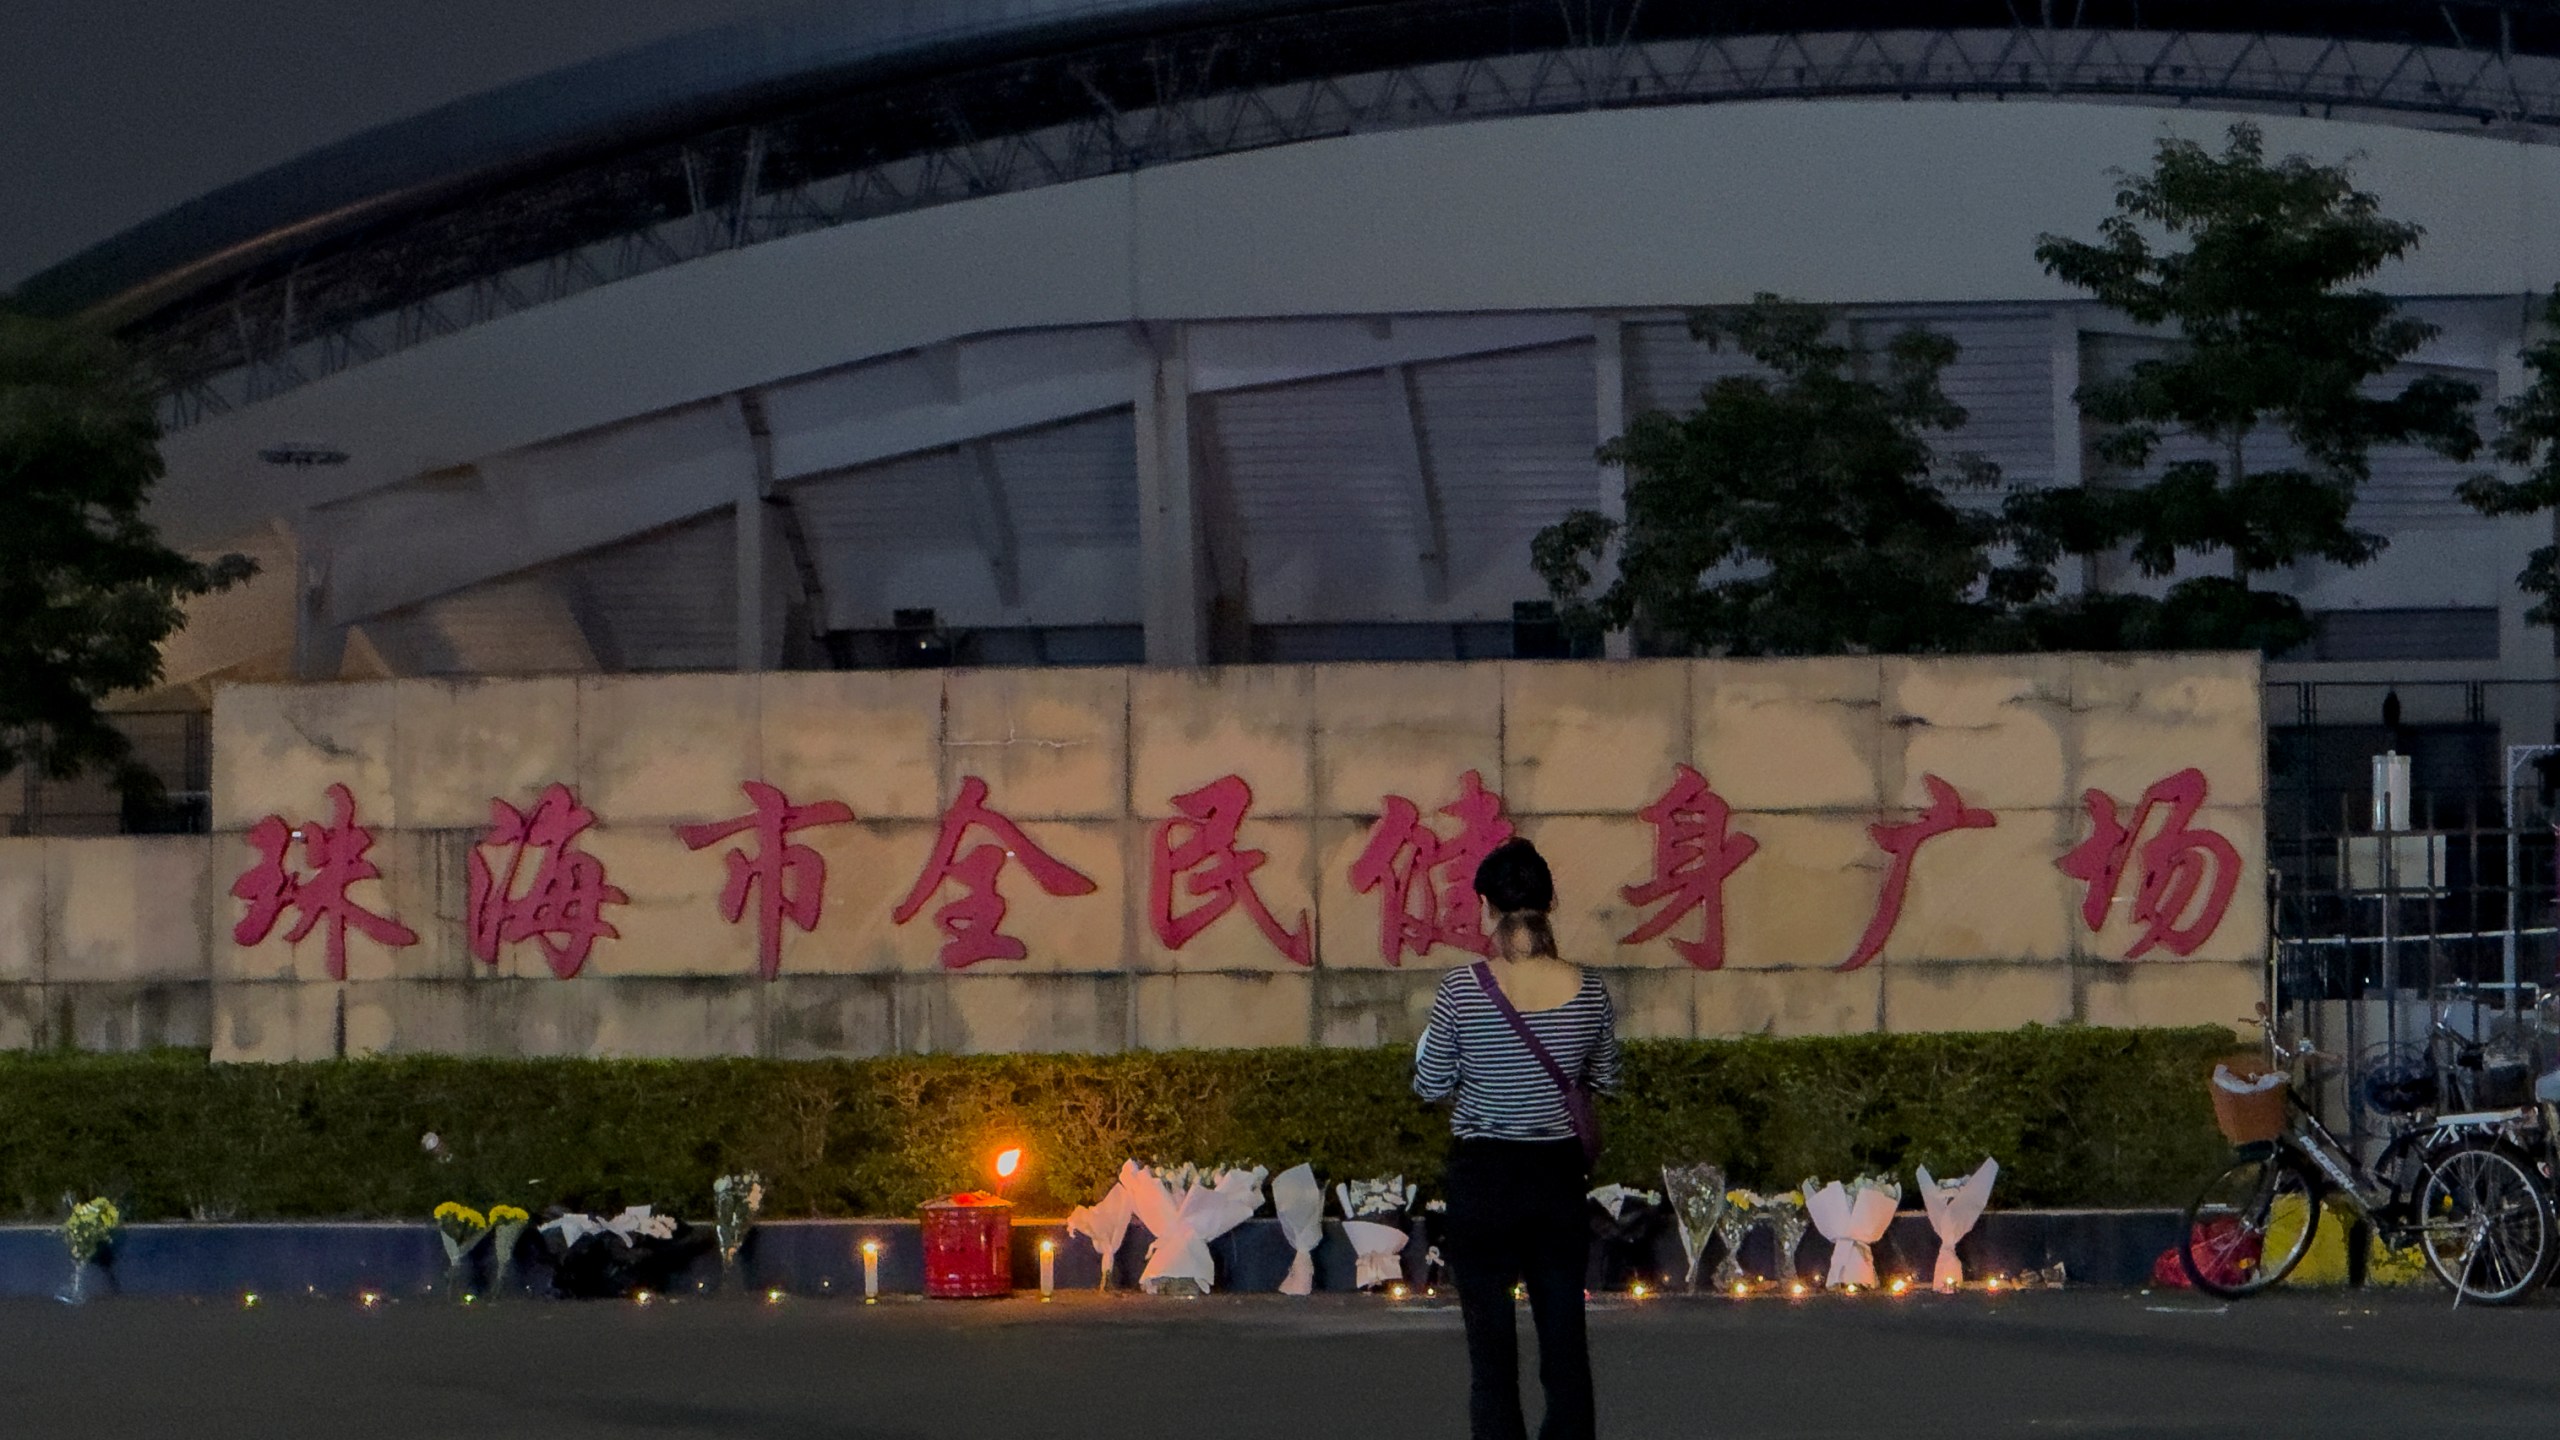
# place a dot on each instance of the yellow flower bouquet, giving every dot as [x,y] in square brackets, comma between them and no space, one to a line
[461,1228]
[506,1226]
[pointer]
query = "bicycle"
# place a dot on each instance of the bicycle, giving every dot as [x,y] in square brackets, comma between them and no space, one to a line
[2465,1188]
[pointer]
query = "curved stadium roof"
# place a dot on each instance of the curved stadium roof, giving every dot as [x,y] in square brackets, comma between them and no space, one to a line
[840,113]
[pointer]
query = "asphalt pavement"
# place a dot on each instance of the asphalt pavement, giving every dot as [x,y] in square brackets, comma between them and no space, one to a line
[2072,1363]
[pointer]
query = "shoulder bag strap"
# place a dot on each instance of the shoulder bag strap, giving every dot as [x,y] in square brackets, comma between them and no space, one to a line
[1577,1101]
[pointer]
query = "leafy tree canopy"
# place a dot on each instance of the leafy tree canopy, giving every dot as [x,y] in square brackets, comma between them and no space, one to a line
[1796,511]
[87,591]
[2267,334]
[2529,439]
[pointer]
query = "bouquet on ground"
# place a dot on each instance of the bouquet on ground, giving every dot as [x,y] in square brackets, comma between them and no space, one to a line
[1373,1220]
[87,1233]
[1954,1207]
[1103,1224]
[1626,1222]
[1853,1217]
[1297,1202]
[506,1227]
[736,1200]
[1184,1209]
[1741,1215]
[635,1250]
[1697,1205]
[1749,1210]
[461,1228]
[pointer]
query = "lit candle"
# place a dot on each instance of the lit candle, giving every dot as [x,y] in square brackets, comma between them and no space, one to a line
[1048,1267]
[870,1272]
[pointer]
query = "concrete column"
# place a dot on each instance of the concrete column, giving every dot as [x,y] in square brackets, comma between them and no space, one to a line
[318,642]
[755,481]
[2068,441]
[1609,391]
[1169,550]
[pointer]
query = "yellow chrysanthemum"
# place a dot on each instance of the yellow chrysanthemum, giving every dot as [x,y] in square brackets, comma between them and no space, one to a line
[453,1214]
[507,1215]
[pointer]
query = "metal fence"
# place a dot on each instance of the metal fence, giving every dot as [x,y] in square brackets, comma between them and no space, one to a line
[2382,934]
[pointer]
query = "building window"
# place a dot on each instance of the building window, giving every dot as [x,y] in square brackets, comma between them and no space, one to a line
[2451,633]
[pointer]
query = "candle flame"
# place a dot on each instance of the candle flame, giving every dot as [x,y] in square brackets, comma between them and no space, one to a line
[1007,1162]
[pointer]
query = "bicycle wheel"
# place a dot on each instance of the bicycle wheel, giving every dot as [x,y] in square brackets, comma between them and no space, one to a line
[2485,1223]
[2250,1225]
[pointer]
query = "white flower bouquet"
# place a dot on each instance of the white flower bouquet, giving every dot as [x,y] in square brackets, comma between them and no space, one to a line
[1373,1220]
[1955,1207]
[1185,1208]
[1853,1217]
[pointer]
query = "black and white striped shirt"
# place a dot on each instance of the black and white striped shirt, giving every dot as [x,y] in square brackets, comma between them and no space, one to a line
[1503,1093]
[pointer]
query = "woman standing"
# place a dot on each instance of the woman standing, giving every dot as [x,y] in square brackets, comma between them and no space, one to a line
[1521,1041]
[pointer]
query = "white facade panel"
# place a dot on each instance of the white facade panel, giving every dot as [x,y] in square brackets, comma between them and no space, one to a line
[1509,442]
[1332,532]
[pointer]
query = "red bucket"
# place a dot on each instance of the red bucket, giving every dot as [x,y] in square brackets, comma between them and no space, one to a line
[968,1247]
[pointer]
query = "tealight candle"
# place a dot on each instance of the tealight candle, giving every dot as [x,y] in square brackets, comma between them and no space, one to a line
[1048,1268]
[870,1272]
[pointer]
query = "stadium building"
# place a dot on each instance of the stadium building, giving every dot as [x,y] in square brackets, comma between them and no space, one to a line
[1059,332]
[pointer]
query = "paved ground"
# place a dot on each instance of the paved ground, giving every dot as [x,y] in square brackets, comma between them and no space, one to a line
[2078,1363]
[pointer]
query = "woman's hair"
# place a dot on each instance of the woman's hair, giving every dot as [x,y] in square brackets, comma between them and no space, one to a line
[1514,878]
[1518,934]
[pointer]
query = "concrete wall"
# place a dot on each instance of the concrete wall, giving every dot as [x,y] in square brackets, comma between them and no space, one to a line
[1809,755]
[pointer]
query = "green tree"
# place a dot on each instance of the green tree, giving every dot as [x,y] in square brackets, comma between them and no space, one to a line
[87,590]
[2268,335]
[1798,511]
[2529,438]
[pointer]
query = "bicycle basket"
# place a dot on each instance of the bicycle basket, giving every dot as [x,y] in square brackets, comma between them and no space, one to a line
[2497,1085]
[2249,1109]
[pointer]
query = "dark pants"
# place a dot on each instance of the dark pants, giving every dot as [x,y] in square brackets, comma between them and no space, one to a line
[1516,1214]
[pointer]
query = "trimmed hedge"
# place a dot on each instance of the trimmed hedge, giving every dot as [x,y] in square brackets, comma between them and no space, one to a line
[2076,1116]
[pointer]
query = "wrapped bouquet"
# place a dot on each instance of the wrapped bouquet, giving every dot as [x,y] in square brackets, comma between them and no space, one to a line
[506,1227]
[736,1200]
[461,1228]
[1185,1209]
[1697,1205]
[1373,1220]
[1853,1217]
[1297,1201]
[1954,1207]
[1104,1224]
[90,1229]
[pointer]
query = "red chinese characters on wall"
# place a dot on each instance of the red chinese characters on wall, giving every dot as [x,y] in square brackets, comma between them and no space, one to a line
[335,853]
[561,908]
[2186,873]
[972,924]
[1947,812]
[1694,853]
[1195,852]
[788,881]
[1428,880]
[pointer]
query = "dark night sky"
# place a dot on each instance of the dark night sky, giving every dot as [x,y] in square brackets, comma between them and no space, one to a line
[112,111]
